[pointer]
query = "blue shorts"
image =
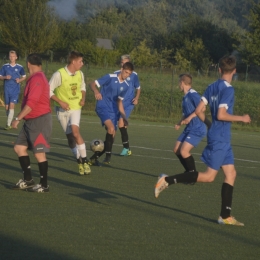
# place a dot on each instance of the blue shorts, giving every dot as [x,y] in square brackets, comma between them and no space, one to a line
[191,138]
[11,97]
[104,115]
[217,154]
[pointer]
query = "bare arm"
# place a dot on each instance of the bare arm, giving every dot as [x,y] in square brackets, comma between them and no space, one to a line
[25,111]
[93,87]
[122,111]
[136,98]
[224,116]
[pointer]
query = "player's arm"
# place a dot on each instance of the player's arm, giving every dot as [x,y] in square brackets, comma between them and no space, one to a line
[21,79]
[137,95]
[122,111]
[178,125]
[224,116]
[83,90]
[55,82]
[25,111]
[93,87]
[200,111]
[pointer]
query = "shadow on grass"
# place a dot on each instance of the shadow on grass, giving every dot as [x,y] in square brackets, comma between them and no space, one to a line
[12,248]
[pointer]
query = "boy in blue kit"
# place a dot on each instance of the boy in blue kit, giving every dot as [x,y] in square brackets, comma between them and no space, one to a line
[109,104]
[195,129]
[12,74]
[129,102]
[218,152]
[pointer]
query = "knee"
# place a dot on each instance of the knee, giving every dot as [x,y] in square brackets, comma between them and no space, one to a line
[111,131]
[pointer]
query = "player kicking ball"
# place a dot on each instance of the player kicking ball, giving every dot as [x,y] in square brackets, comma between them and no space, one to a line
[218,152]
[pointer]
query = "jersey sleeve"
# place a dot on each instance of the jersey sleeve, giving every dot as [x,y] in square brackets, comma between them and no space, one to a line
[2,71]
[103,80]
[227,98]
[206,96]
[136,82]
[54,82]
[22,72]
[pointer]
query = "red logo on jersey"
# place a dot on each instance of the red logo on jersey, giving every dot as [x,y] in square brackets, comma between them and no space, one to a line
[41,140]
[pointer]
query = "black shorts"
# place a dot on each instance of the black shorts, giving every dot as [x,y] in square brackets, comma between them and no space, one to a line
[36,134]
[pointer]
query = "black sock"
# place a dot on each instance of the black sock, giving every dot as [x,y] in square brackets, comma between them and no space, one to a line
[79,160]
[124,137]
[226,200]
[84,160]
[190,163]
[26,167]
[43,169]
[182,161]
[186,177]
[108,145]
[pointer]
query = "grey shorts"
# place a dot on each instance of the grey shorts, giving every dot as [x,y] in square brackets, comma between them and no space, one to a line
[36,134]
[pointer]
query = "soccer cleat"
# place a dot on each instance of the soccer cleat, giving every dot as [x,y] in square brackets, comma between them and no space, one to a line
[125,152]
[106,161]
[160,185]
[81,169]
[23,185]
[87,169]
[94,162]
[8,127]
[229,221]
[39,188]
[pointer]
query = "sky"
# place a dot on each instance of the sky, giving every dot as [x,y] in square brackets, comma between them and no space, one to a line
[64,8]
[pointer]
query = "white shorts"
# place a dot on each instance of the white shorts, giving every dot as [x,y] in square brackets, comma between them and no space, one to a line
[68,118]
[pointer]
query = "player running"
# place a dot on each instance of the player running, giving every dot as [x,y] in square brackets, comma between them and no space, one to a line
[218,152]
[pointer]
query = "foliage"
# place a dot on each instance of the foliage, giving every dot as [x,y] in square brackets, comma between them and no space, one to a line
[28,26]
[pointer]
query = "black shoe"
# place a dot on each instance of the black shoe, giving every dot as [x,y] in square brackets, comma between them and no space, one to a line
[106,161]
[94,162]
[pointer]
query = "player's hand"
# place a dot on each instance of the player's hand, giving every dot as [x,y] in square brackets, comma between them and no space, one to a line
[17,80]
[15,124]
[177,127]
[8,77]
[125,122]
[65,106]
[82,103]
[246,119]
[98,96]
[185,121]
[135,101]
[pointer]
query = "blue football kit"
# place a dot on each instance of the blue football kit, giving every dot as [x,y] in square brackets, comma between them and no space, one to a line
[111,90]
[134,84]
[218,151]
[196,129]
[11,87]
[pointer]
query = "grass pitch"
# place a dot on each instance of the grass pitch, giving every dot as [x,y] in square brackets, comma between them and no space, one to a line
[112,213]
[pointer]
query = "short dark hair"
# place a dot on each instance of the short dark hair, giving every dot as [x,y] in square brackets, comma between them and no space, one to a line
[73,55]
[227,63]
[34,59]
[128,66]
[186,78]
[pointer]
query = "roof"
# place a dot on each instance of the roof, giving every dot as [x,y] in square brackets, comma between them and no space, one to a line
[104,43]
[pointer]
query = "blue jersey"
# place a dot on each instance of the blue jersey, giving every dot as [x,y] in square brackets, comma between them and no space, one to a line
[16,72]
[219,94]
[134,84]
[189,103]
[111,90]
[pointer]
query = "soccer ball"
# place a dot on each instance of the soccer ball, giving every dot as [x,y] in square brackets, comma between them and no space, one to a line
[97,145]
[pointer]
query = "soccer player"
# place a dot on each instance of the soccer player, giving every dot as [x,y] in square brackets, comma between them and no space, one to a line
[109,104]
[37,127]
[130,100]
[195,129]
[68,90]
[218,152]
[12,74]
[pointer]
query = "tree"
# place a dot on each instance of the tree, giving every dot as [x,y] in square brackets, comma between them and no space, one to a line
[28,26]
[250,43]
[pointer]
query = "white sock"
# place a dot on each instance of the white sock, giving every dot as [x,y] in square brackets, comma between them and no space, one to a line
[75,151]
[82,150]
[10,117]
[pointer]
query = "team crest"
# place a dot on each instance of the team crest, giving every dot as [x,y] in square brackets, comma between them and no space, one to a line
[16,69]
[128,79]
[121,89]
[73,89]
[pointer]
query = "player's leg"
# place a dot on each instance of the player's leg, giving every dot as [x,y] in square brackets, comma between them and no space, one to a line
[124,137]
[176,150]
[7,103]
[40,135]
[20,148]
[10,115]
[110,127]
[75,116]
[187,156]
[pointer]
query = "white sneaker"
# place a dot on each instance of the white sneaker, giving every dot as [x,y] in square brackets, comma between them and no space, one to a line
[160,185]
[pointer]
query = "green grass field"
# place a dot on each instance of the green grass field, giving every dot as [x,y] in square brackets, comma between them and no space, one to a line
[112,214]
